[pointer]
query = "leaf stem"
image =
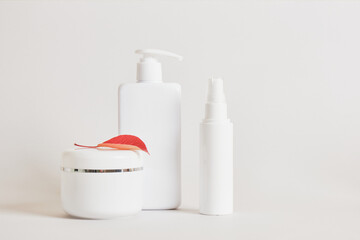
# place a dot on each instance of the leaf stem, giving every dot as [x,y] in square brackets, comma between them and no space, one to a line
[84,146]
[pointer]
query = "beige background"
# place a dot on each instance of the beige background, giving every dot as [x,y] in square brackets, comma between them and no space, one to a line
[291,72]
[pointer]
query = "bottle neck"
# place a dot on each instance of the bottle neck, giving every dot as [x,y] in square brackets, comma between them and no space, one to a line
[149,70]
[215,112]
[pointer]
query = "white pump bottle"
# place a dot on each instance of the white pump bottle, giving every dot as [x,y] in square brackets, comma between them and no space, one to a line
[150,109]
[216,154]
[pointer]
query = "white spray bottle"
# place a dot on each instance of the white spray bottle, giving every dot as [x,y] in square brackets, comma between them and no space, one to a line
[216,154]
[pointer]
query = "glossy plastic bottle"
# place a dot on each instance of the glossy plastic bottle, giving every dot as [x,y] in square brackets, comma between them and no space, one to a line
[150,109]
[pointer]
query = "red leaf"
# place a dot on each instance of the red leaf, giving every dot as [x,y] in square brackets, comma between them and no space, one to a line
[128,140]
[122,142]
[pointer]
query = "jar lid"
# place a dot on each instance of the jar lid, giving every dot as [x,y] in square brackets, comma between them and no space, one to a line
[99,159]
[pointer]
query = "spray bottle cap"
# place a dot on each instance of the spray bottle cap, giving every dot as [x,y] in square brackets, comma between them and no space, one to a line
[215,107]
[149,68]
[216,91]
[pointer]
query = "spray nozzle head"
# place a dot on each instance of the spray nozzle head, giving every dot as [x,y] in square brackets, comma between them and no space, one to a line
[149,68]
[216,91]
[215,107]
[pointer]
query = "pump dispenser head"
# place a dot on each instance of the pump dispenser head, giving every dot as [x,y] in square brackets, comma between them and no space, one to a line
[149,68]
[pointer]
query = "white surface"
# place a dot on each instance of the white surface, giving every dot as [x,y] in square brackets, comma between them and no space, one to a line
[180,225]
[291,72]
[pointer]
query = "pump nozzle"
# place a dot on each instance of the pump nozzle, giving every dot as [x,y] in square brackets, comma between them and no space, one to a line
[149,68]
[157,52]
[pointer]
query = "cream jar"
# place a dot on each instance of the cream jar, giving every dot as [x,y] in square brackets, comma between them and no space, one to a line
[101,184]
